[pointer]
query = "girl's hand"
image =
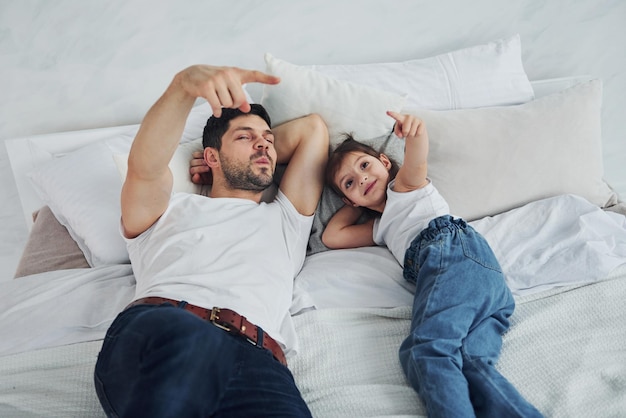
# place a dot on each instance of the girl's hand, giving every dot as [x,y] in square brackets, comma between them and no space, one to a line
[407,126]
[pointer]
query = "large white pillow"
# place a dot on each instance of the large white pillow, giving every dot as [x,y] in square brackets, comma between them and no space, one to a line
[344,106]
[82,188]
[483,75]
[489,160]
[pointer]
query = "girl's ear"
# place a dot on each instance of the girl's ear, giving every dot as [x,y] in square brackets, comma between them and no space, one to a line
[349,202]
[386,161]
[211,158]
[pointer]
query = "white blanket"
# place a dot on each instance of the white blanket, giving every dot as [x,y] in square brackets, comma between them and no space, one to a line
[51,382]
[565,351]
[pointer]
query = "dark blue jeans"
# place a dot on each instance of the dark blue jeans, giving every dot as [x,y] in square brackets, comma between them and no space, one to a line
[163,361]
[461,309]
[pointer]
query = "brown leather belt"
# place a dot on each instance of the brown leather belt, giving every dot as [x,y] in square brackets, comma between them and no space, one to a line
[225,319]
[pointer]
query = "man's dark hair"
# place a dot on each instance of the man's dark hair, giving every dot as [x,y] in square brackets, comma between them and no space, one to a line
[215,128]
[350,145]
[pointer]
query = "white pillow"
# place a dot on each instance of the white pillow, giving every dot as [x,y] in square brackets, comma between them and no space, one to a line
[179,166]
[487,161]
[484,75]
[82,188]
[344,106]
[548,86]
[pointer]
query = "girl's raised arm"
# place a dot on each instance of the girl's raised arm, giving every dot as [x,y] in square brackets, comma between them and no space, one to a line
[413,172]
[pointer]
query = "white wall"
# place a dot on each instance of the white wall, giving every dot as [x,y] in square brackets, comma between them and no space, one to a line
[67,65]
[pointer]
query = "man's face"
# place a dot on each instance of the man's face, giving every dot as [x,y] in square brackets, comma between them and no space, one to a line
[248,156]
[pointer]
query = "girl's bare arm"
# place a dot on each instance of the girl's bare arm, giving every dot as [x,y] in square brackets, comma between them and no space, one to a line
[343,231]
[413,172]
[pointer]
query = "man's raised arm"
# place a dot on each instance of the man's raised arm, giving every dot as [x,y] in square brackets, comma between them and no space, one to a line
[148,186]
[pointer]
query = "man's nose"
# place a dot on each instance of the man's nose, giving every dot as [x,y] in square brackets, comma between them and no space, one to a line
[262,143]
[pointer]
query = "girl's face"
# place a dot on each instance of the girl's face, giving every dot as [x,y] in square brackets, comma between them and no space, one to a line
[363,180]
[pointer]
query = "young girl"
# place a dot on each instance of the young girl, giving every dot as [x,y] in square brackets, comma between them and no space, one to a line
[462,304]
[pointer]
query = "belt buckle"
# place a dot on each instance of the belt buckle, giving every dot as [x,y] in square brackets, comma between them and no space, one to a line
[214,317]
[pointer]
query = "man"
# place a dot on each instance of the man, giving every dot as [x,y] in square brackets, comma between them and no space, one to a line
[209,326]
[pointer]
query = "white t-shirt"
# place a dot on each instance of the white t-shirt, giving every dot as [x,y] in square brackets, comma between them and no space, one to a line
[405,216]
[226,252]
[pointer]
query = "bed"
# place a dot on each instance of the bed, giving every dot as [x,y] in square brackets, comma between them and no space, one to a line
[520,160]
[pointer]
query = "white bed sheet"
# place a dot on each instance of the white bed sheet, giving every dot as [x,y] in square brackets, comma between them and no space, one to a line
[554,242]
[62,307]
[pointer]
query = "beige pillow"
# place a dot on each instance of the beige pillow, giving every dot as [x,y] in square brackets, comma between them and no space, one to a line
[489,160]
[49,247]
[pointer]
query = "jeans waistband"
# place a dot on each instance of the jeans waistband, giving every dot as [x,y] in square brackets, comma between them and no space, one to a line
[443,224]
[226,319]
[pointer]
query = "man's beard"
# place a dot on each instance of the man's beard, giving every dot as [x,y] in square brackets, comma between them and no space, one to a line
[240,176]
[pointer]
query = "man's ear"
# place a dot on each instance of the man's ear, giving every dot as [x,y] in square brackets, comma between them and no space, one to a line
[211,157]
[349,202]
[386,161]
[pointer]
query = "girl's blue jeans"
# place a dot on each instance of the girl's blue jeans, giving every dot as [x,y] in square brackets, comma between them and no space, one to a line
[163,361]
[461,309]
